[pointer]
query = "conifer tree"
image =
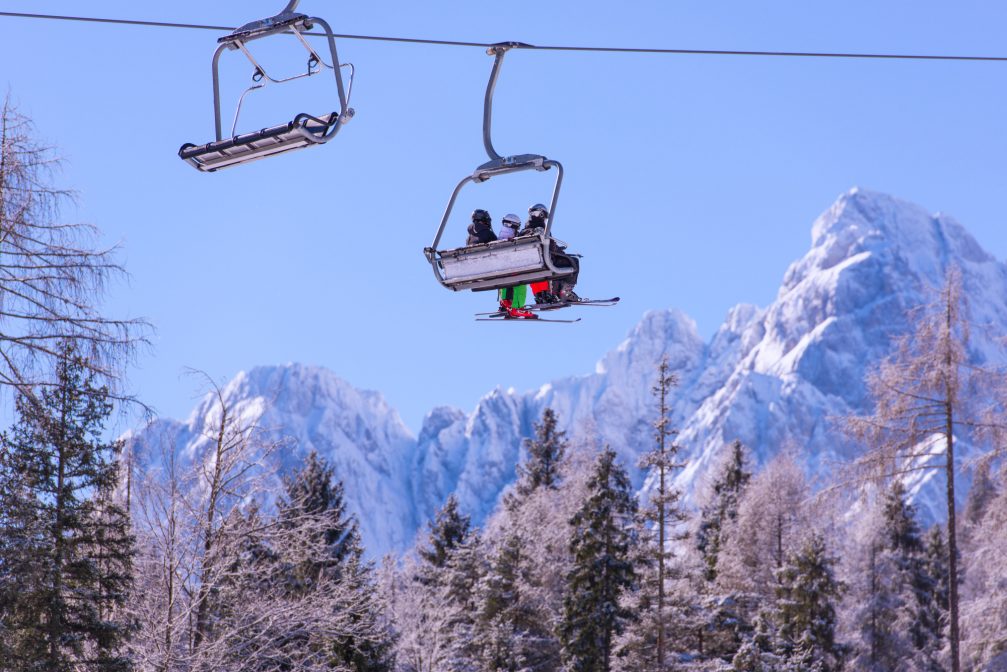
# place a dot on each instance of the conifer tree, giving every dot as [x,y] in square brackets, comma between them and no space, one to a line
[935,617]
[546,453]
[67,551]
[759,653]
[315,502]
[806,607]
[314,492]
[600,545]
[911,573]
[457,583]
[984,607]
[723,509]
[892,592]
[512,628]
[449,529]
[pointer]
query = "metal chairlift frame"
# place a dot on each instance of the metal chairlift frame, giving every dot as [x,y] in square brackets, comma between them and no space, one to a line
[305,130]
[499,264]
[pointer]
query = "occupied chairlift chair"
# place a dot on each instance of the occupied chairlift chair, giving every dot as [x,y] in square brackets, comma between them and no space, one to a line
[503,263]
[304,130]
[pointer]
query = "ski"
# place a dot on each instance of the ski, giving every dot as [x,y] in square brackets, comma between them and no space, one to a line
[503,318]
[538,307]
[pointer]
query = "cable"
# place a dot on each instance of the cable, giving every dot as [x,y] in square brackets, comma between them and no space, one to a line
[529,47]
[128,22]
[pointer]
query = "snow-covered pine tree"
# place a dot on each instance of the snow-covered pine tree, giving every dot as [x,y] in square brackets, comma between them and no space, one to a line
[758,654]
[891,593]
[546,453]
[449,529]
[436,616]
[806,607]
[984,603]
[600,539]
[314,501]
[636,648]
[65,568]
[722,509]
[314,492]
[936,617]
[535,528]
[905,548]
[982,492]
[512,628]
[457,582]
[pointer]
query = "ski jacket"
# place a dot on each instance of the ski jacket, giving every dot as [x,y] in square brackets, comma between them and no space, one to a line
[506,233]
[480,233]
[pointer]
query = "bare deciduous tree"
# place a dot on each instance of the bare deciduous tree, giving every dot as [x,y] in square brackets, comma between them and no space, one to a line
[924,395]
[52,278]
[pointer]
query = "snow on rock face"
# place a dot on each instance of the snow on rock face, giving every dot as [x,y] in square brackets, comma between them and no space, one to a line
[872,258]
[309,408]
[774,377]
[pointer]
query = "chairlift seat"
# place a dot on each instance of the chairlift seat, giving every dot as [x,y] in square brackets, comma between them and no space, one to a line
[303,131]
[496,265]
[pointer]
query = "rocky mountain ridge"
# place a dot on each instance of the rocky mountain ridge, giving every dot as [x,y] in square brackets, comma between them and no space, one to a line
[772,377]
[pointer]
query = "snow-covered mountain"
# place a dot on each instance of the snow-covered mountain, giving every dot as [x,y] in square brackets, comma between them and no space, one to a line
[310,408]
[772,377]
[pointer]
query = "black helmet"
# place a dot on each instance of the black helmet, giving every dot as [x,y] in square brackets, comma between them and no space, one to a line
[480,215]
[538,210]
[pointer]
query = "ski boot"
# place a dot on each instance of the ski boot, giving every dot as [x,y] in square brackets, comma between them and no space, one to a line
[521,314]
[507,307]
[567,295]
[546,297]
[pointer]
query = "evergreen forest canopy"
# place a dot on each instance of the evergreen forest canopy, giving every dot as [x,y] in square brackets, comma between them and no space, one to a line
[107,566]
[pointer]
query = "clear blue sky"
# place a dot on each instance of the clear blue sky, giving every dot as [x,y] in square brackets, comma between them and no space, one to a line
[692,181]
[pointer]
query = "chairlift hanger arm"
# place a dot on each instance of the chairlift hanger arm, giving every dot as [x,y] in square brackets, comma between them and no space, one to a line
[498,51]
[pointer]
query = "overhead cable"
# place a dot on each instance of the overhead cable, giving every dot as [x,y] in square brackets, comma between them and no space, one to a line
[530,47]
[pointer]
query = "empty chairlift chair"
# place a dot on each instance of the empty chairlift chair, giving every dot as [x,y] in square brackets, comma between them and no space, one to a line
[304,130]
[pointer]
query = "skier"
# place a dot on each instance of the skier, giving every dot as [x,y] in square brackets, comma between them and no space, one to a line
[511,223]
[481,228]
[512,298]
[562,289]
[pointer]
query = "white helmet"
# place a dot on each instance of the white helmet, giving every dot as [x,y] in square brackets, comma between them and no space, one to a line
[512,220]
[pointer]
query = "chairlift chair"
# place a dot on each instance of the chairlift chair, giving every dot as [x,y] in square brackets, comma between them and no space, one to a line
[305,130]
[502,263]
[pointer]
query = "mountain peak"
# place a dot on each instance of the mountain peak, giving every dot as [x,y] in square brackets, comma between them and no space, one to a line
[660,332]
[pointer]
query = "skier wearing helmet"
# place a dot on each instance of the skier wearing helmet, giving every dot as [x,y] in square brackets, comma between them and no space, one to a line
[481,228]
[562,288]
[512,299]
